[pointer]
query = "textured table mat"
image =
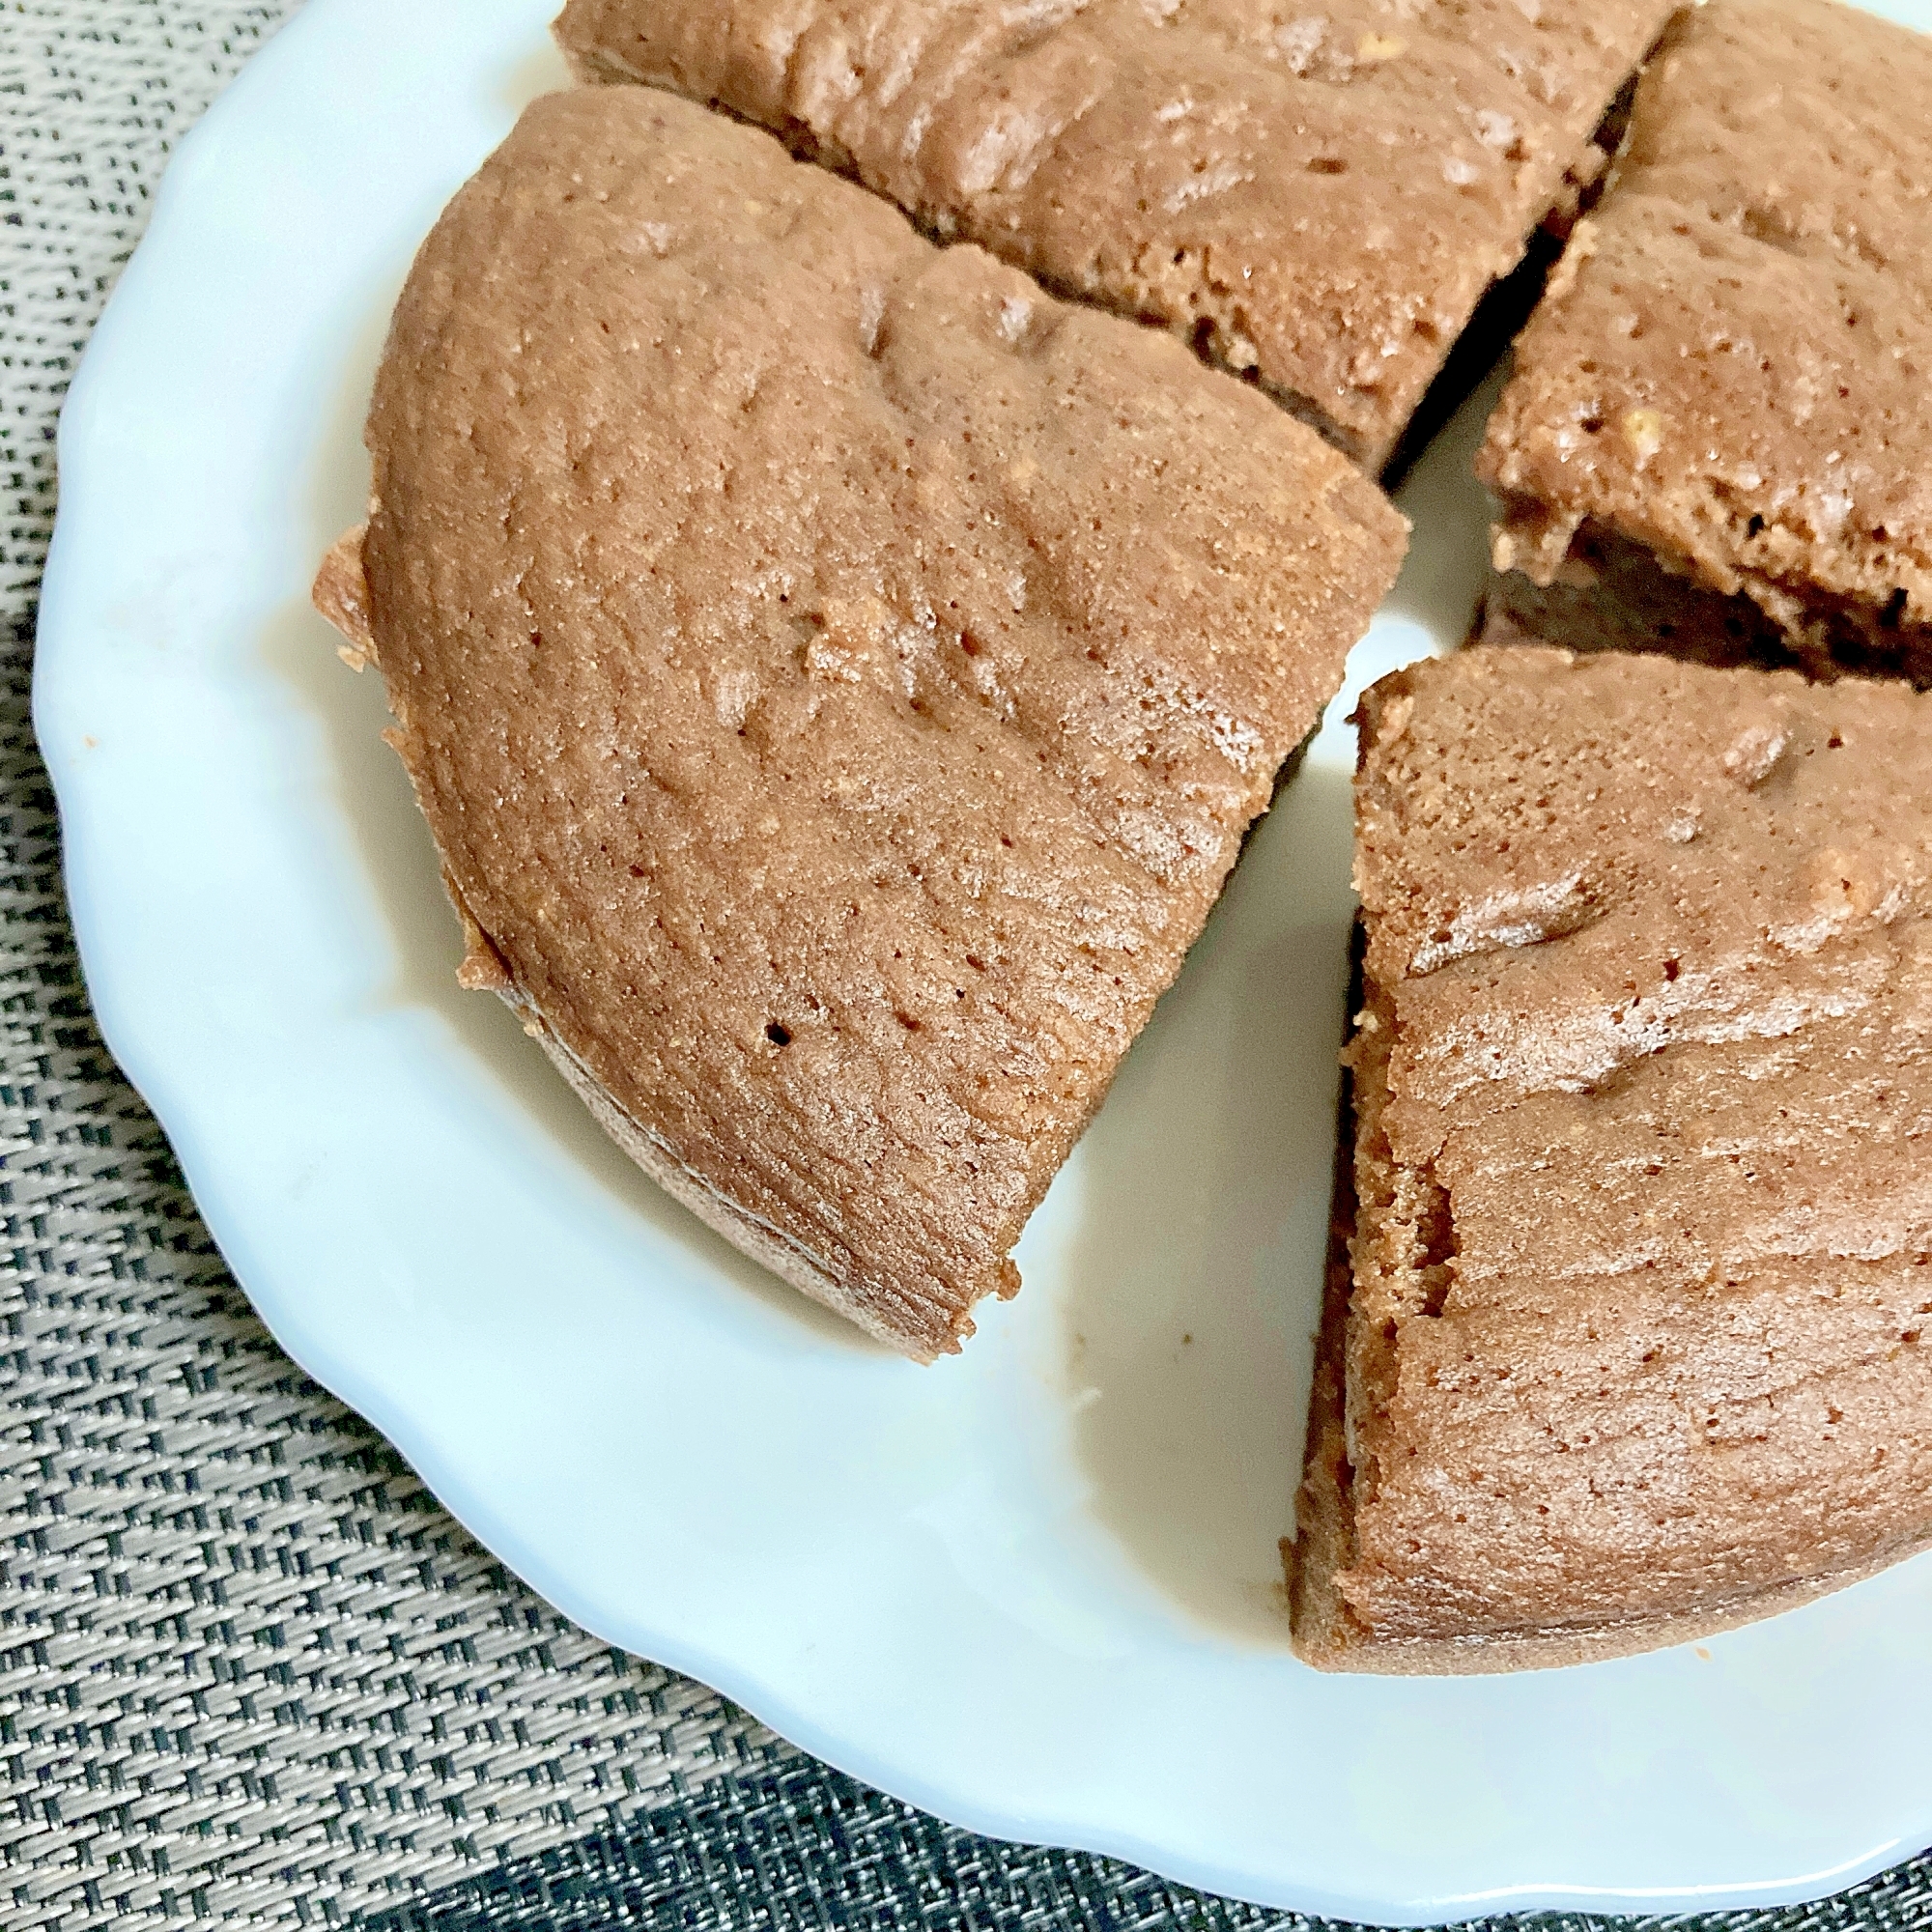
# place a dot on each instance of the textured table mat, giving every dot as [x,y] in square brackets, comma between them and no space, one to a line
[249,1670]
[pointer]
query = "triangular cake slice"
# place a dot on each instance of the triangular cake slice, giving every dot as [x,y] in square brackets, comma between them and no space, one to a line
[1634,1343]
[837,677]
[1314,197]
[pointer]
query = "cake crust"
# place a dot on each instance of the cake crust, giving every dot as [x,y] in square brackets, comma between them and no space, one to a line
[1330,1637]
[1729,373]
[1627,1344]
[1318,203]
[838,677]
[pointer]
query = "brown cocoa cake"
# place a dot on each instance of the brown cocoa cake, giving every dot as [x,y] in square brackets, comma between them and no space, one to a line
[1630,1341]
[1716,439]
[1316,199]
[837,677]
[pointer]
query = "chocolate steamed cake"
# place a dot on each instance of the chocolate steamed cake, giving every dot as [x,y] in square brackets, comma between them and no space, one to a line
[837,677]
[1716,441]
[1635,1344]
[1316,199]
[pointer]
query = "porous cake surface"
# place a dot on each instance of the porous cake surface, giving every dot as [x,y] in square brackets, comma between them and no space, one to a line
[837,675]
[1633,1342]
[1729,377]
[1317,199]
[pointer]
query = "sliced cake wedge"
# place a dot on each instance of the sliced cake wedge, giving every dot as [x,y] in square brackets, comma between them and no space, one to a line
[1633,1339]
[837,675]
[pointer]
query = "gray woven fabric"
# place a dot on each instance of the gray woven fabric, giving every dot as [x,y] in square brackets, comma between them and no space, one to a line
[249,1670]
[790,1849]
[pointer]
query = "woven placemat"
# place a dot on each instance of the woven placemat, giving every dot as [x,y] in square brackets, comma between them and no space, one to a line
[249,1670]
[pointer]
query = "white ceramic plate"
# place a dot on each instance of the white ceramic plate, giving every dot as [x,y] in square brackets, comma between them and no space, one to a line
[1033,1589]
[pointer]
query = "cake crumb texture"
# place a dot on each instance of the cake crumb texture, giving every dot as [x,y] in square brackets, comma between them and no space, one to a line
[837,675]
